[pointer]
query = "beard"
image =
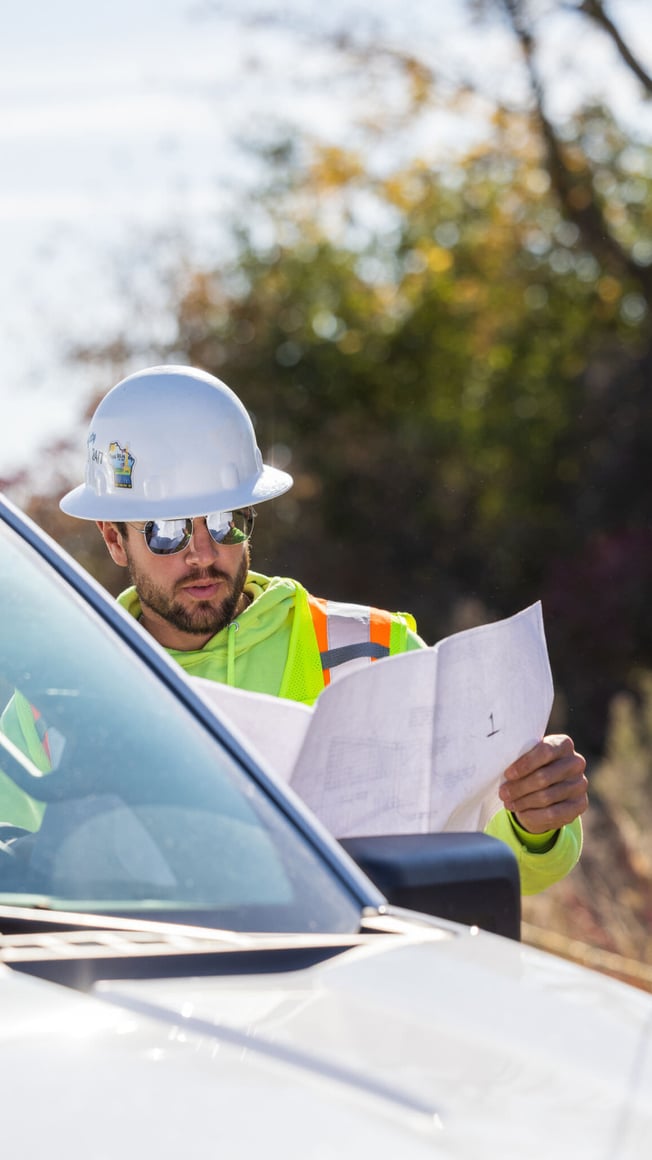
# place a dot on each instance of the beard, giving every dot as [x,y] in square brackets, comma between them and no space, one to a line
[203,617]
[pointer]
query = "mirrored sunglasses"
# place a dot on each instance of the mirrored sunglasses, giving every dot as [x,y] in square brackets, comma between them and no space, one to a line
[166,537]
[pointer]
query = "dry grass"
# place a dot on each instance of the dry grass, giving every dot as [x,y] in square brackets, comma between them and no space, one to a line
[601,915]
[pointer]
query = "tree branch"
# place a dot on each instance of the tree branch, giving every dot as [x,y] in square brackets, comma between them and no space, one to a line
[574,190]
[594,9]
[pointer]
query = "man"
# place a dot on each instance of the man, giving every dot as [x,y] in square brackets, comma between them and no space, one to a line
[173,477]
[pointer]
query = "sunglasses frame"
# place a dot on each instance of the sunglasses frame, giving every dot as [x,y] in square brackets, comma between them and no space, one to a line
[249,514]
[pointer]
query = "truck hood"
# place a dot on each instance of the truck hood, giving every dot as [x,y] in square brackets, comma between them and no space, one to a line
[430,1044]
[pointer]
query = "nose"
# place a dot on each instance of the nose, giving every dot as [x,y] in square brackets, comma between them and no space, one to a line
[202,546]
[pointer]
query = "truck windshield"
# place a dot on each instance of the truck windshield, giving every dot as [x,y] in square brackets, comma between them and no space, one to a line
[115,798]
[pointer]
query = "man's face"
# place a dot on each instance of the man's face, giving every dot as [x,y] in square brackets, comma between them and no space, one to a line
[189,596]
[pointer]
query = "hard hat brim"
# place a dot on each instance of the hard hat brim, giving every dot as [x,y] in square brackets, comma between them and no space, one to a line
[84,502]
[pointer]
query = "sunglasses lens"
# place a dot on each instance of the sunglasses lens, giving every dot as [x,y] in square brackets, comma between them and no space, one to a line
[231,527]
[165,537]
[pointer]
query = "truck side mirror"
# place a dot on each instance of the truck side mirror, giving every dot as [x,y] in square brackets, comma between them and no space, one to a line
[470,878]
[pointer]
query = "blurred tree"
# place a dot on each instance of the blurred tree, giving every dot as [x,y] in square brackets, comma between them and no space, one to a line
[453,360]
[600,180]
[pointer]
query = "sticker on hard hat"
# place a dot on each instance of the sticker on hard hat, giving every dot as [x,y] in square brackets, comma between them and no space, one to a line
[122,463]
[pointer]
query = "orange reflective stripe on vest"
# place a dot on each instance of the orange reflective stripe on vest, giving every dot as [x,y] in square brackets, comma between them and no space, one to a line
[348,635]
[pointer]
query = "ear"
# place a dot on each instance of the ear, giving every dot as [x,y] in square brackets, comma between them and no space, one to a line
[113,540]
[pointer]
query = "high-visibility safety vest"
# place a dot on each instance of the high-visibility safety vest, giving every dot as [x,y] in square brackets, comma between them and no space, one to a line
[352,635]
[330,639]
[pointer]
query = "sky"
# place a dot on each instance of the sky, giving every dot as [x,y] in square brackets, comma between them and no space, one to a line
[117,127]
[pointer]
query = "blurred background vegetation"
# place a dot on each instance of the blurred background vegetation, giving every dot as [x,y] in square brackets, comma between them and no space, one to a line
[454,361]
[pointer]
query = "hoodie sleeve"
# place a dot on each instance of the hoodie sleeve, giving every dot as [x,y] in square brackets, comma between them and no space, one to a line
[542,858]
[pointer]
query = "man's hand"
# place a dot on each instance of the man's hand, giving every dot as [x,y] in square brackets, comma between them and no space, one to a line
[546,788]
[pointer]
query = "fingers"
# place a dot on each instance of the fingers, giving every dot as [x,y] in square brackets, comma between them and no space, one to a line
[546,752]
[552,814]
[547,787]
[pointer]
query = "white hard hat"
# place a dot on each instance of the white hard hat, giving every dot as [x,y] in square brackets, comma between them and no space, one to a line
[170,442]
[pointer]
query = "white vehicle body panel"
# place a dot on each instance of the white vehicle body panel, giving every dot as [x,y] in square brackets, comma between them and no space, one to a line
[406,1046]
